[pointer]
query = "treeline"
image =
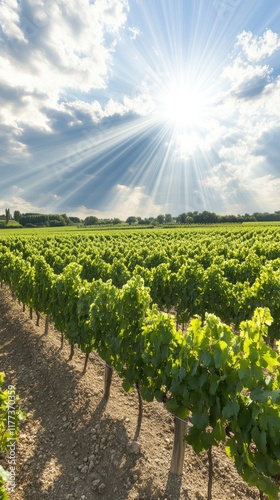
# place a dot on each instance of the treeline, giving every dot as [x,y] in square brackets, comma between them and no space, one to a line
[212,218]
[94,221]
[185,218]
[37,220]
[204,217]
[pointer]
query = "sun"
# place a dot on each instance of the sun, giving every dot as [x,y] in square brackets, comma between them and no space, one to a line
[182,105]
[185,109]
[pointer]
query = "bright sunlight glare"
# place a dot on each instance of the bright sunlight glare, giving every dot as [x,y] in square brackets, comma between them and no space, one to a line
[183,105]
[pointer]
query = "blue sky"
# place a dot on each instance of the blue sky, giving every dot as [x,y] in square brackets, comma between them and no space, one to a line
[139,107]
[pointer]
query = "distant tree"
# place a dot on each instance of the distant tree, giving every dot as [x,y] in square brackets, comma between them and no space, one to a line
[75,220]
[116,221]
[53,223]
[181,219]
[7,215]
[66,219]
[56,220]
[91,220]
[160,219]
[131,220]
[206,217]
[16,215]
[189,219]
[168,219]
[143,221]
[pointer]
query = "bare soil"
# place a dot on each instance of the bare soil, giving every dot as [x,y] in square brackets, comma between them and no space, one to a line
[74,446]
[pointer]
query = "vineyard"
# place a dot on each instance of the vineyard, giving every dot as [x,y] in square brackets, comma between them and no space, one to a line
[189,318]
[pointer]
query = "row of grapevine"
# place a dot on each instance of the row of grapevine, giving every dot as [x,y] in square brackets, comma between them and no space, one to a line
[227,385]
[192,283]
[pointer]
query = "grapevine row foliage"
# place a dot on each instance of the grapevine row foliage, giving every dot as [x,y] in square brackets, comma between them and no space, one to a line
[226,384]
[229,272]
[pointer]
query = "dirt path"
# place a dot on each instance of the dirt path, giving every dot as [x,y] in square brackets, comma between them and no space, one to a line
[72,446]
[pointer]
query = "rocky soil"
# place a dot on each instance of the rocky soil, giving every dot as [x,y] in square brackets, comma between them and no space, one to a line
[74,446]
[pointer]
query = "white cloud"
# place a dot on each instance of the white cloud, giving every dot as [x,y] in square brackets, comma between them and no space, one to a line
[92,109]
[134,201]
[55,197]
[50,47]
[267,190]
[246,175]
[248,78]
[10,19]
[142,105]
[257,48]
[18,189]
[18,203]
[135,32]
[125,201]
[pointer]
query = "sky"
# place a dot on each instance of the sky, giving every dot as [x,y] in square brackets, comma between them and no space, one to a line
[116,108]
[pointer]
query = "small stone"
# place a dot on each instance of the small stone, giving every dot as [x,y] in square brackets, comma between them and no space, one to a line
[95,484]
[94,475]
[84,469]
[101,488]
[134,448]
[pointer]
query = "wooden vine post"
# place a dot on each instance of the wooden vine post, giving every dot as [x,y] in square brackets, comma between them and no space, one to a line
[38,318]
[140,412]
[179,444]
[210,475]
[86,362]
[46,325]
[72,351]
[107,381]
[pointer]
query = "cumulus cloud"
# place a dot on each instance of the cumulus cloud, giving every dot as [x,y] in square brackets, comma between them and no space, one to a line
[125,201]
[257,48]
[133,201]
[247,172]
[18,203]
[50,51]
[247,78]
[47,48]
[142,104]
